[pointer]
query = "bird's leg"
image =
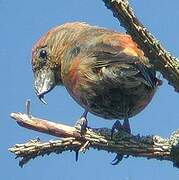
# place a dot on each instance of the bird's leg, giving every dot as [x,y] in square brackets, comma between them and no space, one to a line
[81,126]
[124,127]
[116,126]
[126,124]
[82,123]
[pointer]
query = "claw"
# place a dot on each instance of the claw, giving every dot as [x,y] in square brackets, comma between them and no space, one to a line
[76,155]
[117,159]
[126,156]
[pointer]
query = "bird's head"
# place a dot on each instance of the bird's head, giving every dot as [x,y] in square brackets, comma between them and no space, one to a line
[46,65]
[48,56]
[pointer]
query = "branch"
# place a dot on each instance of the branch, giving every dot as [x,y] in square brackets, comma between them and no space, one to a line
[150,147]
[158,56]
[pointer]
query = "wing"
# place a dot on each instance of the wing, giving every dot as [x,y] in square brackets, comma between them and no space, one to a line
[122,65]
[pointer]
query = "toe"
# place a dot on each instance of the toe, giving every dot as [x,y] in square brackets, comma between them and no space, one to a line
[81,125]
[117,159]
[116,126]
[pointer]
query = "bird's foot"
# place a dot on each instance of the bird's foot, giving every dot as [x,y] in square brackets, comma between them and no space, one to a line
[82,123]
[120,127]
[81,126]
[117,126]
[118,158]
[126,126]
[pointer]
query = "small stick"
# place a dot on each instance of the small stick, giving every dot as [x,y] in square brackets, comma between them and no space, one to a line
[27,107]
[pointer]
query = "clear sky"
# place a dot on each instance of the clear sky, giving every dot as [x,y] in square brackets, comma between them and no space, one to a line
[21,24]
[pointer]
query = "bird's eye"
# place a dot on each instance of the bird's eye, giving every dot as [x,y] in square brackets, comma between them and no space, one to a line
[43,54]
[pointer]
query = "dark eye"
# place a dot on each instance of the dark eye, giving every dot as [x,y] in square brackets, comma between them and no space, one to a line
[43,54]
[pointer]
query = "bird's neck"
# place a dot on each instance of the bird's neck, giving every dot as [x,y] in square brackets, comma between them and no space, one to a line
[64,40]
[68,34]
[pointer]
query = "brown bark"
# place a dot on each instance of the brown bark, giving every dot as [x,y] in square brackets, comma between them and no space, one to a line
[162,60]
[123,143]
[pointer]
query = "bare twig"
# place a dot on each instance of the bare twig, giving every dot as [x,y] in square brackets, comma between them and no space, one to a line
[158,56]
[126,144]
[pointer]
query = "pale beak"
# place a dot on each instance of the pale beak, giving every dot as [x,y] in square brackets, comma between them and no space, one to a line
[44,81]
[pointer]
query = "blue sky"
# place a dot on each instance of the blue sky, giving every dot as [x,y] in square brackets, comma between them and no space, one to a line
[22,23]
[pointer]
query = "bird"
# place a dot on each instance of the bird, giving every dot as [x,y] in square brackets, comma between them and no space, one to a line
[104,71]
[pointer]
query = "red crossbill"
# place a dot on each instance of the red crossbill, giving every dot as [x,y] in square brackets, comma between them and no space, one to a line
[103,70]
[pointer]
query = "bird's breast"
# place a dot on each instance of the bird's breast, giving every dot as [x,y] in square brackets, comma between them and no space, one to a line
[109,102]
[72,80]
